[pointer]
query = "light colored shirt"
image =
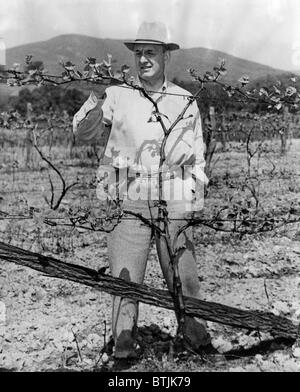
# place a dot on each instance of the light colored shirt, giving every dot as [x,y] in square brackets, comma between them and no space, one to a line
[135,140]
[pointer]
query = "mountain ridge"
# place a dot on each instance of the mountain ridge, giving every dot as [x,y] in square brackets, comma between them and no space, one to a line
[76,47]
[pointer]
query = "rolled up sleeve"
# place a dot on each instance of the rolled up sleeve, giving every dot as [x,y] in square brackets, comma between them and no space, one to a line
[90,121]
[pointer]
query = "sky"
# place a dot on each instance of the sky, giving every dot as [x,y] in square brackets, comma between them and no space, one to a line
[266,31]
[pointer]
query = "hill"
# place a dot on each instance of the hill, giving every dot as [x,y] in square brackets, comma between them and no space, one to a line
[77,47]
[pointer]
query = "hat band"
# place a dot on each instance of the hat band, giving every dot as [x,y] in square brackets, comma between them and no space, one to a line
[150,40]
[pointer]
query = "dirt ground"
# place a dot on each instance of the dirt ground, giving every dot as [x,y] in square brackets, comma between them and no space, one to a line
[53,324]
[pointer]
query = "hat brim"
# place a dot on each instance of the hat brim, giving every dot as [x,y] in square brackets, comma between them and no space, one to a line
[170,46]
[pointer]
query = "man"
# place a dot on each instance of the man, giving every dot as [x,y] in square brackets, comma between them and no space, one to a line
[133,148]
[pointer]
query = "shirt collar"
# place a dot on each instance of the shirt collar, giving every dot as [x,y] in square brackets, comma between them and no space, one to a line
[163,88]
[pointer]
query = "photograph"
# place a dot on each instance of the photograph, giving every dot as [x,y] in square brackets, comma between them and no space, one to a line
[149,189]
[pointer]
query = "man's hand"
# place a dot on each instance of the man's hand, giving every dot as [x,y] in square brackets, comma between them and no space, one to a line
[88,105]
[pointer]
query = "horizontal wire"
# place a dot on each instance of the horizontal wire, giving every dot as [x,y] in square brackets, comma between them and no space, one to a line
[181,95]
[213,220]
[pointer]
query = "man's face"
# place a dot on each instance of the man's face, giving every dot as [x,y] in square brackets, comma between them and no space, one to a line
[150,61]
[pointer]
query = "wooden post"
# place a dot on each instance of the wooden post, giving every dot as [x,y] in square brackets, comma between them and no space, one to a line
[28,137]
[223,132]
[28,146]
[211,143]
[290,125]
[284,131]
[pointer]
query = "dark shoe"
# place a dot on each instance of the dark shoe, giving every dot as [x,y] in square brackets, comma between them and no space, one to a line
[126,354]
[125,347]
[195,333]
[123,364]
[197,339]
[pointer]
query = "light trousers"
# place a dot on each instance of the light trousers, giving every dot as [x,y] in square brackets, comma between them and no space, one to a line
[128,249]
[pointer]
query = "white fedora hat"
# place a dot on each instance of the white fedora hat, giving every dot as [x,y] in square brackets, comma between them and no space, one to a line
[152,33]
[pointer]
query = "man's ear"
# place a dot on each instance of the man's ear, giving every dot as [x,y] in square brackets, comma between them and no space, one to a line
[167,56]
